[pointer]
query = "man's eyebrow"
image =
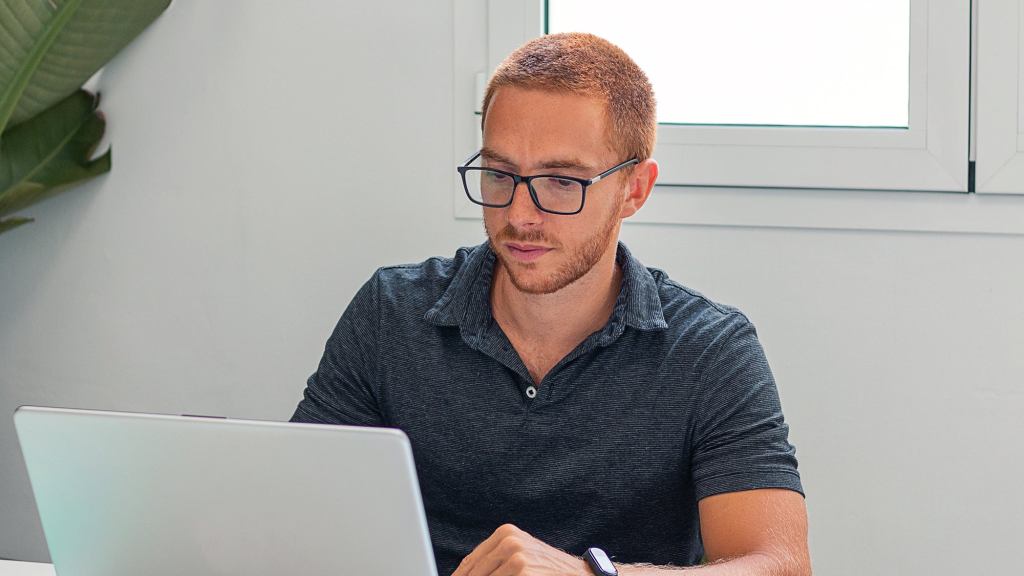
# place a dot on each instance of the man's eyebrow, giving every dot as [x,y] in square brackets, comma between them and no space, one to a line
[492,156]
[570,163]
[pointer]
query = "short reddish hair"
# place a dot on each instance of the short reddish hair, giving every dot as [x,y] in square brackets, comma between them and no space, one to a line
[586,65]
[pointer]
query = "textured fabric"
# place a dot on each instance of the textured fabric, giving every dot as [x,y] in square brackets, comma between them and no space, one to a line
[672,401]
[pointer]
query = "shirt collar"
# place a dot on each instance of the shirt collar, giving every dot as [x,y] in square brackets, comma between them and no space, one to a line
[466,301]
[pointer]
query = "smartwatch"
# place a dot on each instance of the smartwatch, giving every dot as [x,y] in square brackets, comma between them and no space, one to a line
[599,562]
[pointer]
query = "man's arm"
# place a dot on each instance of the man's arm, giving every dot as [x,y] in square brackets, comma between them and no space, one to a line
[750,533]
[343,388]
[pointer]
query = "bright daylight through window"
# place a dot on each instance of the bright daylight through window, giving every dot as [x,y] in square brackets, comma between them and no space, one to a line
[752,62]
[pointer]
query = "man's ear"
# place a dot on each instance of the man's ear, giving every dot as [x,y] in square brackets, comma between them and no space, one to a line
[640,183]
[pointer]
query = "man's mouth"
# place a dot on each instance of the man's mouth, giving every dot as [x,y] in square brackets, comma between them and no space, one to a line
[526,252]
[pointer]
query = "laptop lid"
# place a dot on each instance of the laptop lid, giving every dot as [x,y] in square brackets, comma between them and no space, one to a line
[124,494]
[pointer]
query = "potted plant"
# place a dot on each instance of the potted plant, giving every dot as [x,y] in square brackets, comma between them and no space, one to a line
[49,125]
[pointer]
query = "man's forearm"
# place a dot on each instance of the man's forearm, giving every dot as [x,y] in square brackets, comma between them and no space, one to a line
[748,565]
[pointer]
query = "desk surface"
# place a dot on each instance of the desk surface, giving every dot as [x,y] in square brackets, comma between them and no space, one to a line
[12,568]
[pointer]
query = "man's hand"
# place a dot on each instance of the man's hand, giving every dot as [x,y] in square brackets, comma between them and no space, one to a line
[511,552]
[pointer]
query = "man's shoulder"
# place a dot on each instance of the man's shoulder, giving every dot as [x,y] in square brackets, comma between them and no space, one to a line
[686,309]
[422,282]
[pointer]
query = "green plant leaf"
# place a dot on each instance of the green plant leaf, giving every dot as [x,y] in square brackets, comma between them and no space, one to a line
[48,48]
[40,157]
[12,223]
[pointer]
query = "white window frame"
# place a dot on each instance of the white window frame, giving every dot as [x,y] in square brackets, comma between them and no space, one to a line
[1000,126]
[912,179]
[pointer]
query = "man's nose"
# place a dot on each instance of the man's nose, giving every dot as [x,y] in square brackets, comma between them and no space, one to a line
[522,212]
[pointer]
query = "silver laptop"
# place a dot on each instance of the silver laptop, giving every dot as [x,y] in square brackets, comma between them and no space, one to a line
[123,494]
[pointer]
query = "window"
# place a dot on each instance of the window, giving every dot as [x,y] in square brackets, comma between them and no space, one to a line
[751,62]
[895,156]
[1000,126]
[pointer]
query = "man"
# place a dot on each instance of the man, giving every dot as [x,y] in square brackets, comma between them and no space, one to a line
[557,394]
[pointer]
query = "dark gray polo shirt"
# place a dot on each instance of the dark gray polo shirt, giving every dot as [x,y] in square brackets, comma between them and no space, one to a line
[672,401]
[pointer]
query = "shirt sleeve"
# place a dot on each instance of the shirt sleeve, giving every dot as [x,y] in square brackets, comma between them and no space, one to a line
[740,437]
[343,388]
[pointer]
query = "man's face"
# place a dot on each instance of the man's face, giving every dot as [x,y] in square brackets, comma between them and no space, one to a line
[533,132]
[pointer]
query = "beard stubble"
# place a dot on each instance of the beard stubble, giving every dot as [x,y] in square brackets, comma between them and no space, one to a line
[580,261]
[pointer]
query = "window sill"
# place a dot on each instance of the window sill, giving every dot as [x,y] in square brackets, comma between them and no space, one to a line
[824,209]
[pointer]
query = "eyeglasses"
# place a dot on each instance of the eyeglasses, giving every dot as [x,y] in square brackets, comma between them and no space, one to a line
[552,193]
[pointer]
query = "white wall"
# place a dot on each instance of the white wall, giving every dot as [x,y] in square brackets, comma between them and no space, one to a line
[269,155]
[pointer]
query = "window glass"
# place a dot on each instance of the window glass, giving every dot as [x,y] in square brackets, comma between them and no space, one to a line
[755,62]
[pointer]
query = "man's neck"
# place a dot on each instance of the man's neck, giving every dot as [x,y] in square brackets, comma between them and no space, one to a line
[562,319]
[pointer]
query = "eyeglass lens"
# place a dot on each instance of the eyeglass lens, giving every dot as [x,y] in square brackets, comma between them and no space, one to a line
[496,189]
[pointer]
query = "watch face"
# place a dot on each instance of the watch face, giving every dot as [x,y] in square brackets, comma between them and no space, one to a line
[601,563]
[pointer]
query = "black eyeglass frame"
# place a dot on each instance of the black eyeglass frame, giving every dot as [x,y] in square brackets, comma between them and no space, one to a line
[517,179]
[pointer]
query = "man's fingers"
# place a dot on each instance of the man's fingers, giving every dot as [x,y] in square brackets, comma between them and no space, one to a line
[510,551]
[514,563]
[497,560]
[471,564]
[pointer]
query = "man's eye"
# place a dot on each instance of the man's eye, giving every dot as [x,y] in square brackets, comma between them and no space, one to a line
[563,183]
[497,176]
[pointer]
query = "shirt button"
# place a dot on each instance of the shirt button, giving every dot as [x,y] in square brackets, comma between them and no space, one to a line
[531,392]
